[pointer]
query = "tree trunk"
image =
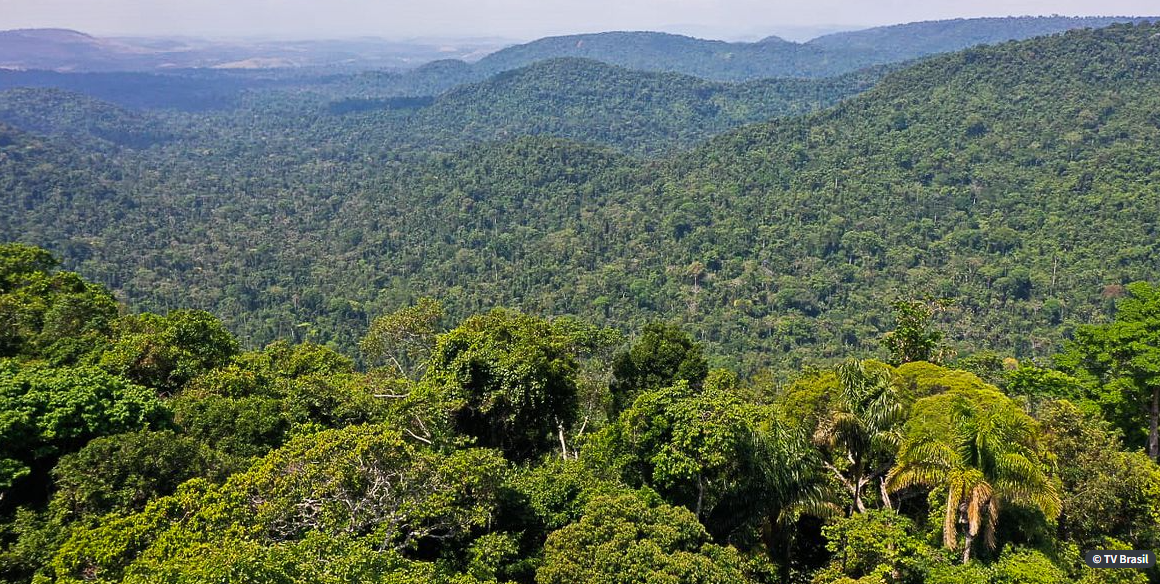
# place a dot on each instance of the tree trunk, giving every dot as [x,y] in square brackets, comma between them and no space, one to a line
[886,503]
[778,544]
[968,539]
[1154,422]
[700,494]
[858,504]
[895,573]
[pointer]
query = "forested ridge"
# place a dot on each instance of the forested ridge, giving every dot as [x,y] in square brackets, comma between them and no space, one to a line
[1014,179]
[634,111]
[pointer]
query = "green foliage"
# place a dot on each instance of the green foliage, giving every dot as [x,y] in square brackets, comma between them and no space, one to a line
[372,481]
[509,380]
[316,559]
[48,412]
[18,261]
[697,448]
[378,470]
[1042,383]
[973,573]
[862,430]
[557,491]
[404,338]
[663,355]
[982,450]
[1026,566]
[875,546]
[1121,363]
[181,526]
[920,379]
[242,427]
[1106,492]
[803,403]
[54,316]
[166,352]
[29,541]
[246,413]
[121,473]
[636,538]
[1084,575]
[364,487]
[913,338]
[989,366]
[300,360]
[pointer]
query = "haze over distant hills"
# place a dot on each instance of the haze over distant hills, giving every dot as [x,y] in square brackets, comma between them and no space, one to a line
[832,54]
[69,50]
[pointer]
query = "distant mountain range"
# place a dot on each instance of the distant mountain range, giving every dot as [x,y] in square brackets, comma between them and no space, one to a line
[828,55]
[825,56]
[72,51]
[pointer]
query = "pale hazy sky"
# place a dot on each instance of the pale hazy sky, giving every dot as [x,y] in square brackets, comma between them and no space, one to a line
[510,18]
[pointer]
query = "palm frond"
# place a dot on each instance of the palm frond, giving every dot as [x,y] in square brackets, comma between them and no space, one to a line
[992,518]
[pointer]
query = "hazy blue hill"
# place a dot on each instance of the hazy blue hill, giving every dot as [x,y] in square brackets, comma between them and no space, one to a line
[48,48]
[773,57]
[429,79]
[69,50]
[633,111]
[636,112]
[907,41]
[654,51]
[832,55]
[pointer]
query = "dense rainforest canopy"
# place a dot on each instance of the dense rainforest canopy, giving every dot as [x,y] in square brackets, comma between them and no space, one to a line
[581,323]
[512,448]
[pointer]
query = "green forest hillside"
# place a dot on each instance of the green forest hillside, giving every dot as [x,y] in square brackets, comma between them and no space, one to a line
[79,117]
[1012,179]
[634,111]
[589,101]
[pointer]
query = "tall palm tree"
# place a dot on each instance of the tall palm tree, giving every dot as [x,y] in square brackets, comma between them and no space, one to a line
[793,486]
[986,460]
[862,429]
